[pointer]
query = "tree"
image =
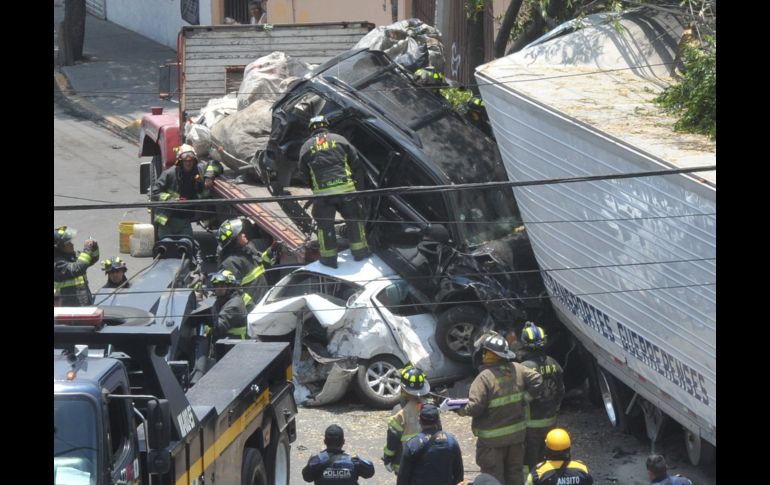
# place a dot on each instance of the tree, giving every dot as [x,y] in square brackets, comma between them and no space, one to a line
[72,32]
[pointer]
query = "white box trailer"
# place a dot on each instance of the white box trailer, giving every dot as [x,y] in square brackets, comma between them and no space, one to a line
[629,264]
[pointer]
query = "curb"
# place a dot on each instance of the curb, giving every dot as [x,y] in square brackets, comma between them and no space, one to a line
[64,92]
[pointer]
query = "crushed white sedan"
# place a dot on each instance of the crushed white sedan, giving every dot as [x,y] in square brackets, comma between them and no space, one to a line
[352,325]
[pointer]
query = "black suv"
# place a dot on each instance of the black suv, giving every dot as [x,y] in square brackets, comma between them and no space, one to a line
[463,251]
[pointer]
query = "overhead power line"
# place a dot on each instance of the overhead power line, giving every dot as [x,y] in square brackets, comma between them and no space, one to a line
[420,189]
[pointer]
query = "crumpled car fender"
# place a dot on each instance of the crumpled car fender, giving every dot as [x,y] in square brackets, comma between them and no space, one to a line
[279,318]
[363,334]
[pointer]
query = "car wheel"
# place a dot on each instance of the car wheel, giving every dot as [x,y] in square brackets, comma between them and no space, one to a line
[253,470]
[278,457]
[699,451]
[456,330]
[378,383]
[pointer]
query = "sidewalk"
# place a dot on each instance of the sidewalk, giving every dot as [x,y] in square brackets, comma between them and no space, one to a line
[118,83]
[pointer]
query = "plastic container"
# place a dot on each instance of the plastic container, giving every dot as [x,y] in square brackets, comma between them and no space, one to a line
[126,230]
[142,241]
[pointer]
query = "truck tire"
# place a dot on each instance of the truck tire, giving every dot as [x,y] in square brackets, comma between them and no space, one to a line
[253,470]
[456,330]
[378,383]
[699,451]
[278,456]
[616,397]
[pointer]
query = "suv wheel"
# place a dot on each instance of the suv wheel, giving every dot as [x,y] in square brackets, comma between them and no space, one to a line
[457,329]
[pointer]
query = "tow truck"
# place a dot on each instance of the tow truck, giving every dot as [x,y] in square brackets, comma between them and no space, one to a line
[122,416]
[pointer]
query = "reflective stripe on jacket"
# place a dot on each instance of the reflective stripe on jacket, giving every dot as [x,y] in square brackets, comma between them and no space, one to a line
[543,410]
[328,158]
[69,276]
[496,403]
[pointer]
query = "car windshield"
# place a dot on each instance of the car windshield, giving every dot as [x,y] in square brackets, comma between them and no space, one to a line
[304,283]
[459,151]
[74,441]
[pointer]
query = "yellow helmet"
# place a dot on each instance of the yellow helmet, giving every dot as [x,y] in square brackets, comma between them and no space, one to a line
[557,440]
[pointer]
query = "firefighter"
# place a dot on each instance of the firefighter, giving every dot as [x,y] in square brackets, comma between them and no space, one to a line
[477,114]
[242,258]
[657,472]
[433,456]
[405,423]
[229,309]
[558,466]
[70,267]
[188,179]
[542,411]
[428,76]
[115,269]
[333,466]
[496,403]
[328,158]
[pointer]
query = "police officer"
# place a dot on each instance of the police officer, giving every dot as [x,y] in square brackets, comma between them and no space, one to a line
[405,423]
[496,403]
[433,456]
[70,267]
[188,179]
[242,258]
[328,158]
[115,269]
[657,472]
[542,411]
[333,466]
[559,467]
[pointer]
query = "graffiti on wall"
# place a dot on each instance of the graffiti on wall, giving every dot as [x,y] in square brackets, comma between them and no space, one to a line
[456,59]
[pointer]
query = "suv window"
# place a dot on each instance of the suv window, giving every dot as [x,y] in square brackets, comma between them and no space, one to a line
[302,283]
[118,430]
[430,205]
[400,299]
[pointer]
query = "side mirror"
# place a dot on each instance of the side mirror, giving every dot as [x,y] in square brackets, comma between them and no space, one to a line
[437,232]
[159,430]
[144,177]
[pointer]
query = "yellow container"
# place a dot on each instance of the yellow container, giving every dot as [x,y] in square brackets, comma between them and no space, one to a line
[126,229]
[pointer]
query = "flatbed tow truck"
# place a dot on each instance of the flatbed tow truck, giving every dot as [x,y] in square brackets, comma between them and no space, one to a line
[121,415]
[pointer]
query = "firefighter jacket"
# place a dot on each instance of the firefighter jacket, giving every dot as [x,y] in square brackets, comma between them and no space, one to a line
[230,315]
[402,426]
[552,472]
[496,403]
[69,276]
[543,411]
[673,480]
[335,467]
[328,158]
[247,264]
[174,183]
[431,458]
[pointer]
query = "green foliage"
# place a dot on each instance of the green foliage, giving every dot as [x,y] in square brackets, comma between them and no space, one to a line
[694,98]
[457,97]
[474,7]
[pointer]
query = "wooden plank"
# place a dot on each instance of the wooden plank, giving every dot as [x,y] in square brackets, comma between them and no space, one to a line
[305,37]
[229,60]
[248,49]
[218,34]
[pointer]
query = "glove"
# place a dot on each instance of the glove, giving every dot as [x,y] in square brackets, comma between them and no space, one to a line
[452,404]
[389,467]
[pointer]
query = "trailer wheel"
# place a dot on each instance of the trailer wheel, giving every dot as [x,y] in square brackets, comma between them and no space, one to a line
[699,451]
[615,398]
[278,454]
[456,330]
[378,383]
[253,470]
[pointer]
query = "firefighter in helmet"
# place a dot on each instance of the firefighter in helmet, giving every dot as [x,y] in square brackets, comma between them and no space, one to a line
[70,267]
[405,423]
[115,269]
[330,160]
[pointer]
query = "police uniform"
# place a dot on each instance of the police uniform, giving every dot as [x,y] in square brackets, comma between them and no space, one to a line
[552,472]
[542,411]
[673,480]
[431,458]
[335,467]
[328,158]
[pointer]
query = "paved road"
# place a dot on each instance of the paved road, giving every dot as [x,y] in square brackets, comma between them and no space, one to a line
[92,165]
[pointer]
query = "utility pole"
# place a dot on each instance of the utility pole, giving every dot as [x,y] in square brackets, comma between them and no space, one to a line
[72,32]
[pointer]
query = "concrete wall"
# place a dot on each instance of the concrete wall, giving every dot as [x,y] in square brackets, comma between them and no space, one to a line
[159,20]
[378,12]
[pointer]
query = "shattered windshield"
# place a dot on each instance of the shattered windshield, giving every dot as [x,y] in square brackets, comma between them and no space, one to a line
[459,151]
[301,283]
[74,441]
